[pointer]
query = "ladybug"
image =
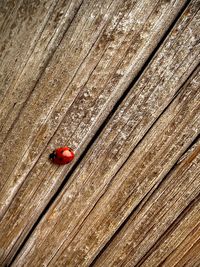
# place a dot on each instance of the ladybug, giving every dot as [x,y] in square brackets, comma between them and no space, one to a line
[62,155]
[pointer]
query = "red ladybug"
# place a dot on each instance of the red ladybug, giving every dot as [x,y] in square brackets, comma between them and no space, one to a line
[62,155]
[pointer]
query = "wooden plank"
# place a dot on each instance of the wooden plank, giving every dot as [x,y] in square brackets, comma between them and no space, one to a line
[74,95]
[181,247]
[29,37]
[189,257]
[153,219]
[93,177]
[19,35]
[6,10]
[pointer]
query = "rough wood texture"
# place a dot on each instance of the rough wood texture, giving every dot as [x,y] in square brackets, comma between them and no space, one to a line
[181,246]
[102,50]
[29,36]
[161,210]
[102,191]
[64,65]
[92,207]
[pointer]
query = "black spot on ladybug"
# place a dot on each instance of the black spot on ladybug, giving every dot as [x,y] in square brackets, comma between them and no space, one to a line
[52,155]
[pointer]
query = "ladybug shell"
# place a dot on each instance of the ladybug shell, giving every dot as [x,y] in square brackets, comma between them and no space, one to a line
[62,155]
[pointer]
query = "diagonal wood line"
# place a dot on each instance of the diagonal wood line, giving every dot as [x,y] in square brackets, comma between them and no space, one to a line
[159,80]
[170,170]
[49,15]
[166,232]
[78,125]
[180,90]
[175,162]
[44,174]
[174,52]
[34,193]
[44,66]
[12,13]
[191,205]
[142,203]
[14,8]
[31,50]
[124,58]
[141,173]
[149,230]
[176,93]
[102,126]
[197,242]
[97,66]
[85,182]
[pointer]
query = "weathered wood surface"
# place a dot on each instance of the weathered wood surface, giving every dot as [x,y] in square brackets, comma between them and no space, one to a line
[99,196]
[161,210]
[101,52]
[87,54]
[91,208]
[29,35]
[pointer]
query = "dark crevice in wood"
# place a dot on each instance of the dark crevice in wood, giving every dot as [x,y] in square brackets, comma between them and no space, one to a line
[194,141]
[96,135]
[142,203]
[55,129]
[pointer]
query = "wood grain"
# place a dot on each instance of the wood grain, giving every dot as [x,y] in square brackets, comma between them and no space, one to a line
[66,231]
[135,179]
[157,224]
[181,246]
[29,37]
[6,10]
[189,255]
[91,68]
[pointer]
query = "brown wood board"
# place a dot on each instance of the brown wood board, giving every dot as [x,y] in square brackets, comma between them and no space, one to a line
[90,180]
[64,66]
[84,78]
[92,207]
[166,224]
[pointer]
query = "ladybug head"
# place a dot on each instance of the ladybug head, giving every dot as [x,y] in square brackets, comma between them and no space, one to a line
[52,155]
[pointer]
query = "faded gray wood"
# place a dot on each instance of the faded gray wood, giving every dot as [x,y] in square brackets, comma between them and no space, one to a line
[63,237]
[101,52]
[29,37]
[160,212]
